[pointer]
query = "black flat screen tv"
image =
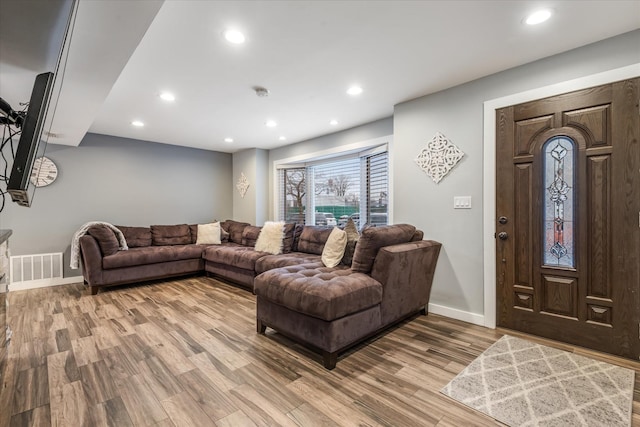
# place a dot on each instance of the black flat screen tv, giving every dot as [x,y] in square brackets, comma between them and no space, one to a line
[30,145]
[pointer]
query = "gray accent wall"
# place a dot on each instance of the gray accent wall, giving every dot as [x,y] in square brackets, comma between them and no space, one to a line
[458,114]
[124,182]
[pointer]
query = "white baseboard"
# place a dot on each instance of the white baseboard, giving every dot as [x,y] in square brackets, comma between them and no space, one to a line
[43,283]
[454,313]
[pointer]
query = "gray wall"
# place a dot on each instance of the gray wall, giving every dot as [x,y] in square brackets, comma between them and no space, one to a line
[252,207]
[458,114]
[377,129]
[124,182]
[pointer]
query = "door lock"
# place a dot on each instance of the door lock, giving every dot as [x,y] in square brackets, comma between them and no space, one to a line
[503,220]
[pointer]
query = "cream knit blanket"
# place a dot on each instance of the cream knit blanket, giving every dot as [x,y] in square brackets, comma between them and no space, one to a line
[75,242]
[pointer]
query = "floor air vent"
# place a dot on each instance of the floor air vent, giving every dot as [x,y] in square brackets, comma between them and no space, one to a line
[32,271]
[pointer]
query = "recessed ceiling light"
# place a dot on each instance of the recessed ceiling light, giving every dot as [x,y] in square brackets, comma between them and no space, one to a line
[228,140]
[333,122]
[354,90]
[167,96]
[283,138]
[271,123]
[538,17]
[137,123]
[234,36]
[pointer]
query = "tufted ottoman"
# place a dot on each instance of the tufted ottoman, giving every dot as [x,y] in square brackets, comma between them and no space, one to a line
[329,308]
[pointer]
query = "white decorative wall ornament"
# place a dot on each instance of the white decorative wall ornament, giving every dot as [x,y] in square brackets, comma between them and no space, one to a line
[438,157]
[242,185]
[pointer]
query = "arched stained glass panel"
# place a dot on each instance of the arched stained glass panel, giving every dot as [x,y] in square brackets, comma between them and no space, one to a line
[559,169]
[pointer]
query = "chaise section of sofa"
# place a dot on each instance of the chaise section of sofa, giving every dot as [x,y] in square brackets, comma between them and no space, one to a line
[331,309]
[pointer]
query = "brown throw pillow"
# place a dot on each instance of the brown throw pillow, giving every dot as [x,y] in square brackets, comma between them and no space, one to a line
[352,240]
[374,238]
[289,234]
[106,238]
[163,235]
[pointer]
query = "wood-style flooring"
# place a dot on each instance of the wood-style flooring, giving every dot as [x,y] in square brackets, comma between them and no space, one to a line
[186,353]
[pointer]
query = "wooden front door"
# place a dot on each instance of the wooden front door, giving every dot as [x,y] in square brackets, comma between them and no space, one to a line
[568,218]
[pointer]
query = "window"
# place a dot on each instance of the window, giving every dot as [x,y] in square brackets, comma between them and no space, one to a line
[329,192]
[559,205]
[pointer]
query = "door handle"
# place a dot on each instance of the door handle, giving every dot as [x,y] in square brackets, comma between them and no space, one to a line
[503,235]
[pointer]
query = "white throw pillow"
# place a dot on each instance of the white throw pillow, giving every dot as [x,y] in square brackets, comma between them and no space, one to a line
[270,238]
[208,234]
[334,248]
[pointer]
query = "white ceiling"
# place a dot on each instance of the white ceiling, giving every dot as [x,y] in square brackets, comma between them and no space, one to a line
[306,53]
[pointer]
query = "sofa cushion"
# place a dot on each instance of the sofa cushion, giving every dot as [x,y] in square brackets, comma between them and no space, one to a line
[106,238]
[417,236]
[374,238]
[313,238]
[152,255]
[235,229]
[250,235]
[269,262]
[297,231]
[322,292]
[244,257]
[271,238]
[334,248]
[136,237]
[162,235]
[208,234]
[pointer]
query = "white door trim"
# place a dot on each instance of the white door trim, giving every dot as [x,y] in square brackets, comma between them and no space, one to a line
[489,162]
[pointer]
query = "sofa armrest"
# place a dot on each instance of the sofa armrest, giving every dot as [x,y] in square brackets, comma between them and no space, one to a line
[406,274]
[91,257]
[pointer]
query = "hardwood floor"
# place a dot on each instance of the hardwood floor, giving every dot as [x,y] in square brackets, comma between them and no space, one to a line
[186,353]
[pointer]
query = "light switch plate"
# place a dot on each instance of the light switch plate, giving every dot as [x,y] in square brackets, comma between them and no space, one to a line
[462,202]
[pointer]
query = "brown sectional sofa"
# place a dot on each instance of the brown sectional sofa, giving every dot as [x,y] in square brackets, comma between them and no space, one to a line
[330,309]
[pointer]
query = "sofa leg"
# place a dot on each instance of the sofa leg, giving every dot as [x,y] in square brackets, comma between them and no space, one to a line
[329,359]
[260,327]
[94,290]
[423,311]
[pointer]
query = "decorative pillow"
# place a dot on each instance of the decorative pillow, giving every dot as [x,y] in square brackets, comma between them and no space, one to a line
[270,238]
[162,235]
[352,239]
[250,235]
[209,234]
[193,231]
[289,235]
[334,248]
[297,231]
[136,237]
[106,239]
[374,238]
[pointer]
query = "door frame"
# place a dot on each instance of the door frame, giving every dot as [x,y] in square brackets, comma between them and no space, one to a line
[489,165]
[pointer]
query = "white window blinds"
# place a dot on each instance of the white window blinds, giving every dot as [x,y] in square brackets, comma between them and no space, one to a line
[330,191]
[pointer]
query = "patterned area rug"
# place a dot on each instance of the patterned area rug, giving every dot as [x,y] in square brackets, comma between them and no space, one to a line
[521,383]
